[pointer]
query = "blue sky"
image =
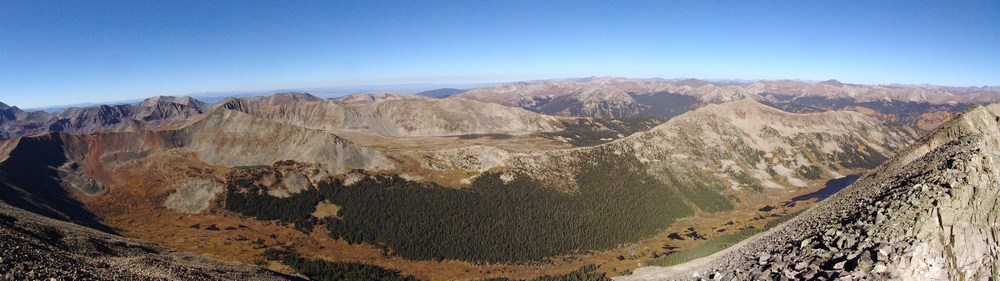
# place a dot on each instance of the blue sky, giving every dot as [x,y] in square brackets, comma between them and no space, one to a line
[63,52]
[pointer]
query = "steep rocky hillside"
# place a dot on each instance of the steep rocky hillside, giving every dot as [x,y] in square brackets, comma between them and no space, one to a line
[15,122]
[223,137]
[150,113]
[928,214]
[746,140]
[43,173]
[399,115]
[30,179]
[740,145]
[232,138]
[33,247]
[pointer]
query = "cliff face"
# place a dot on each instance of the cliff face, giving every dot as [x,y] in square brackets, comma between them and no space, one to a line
[232,138]
[931,213]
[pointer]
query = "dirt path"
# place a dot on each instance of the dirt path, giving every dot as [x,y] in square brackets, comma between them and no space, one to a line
[673,272]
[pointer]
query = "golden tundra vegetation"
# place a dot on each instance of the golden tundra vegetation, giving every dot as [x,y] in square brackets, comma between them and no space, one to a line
[583,179]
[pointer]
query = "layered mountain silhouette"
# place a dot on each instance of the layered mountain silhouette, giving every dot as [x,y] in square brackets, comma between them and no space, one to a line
[150,113]
[525,179]
[613,97]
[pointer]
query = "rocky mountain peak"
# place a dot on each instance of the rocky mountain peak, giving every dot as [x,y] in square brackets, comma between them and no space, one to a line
[8,112]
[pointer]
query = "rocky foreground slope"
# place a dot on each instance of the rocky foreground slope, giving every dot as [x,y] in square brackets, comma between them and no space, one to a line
[33,247]
[931,213]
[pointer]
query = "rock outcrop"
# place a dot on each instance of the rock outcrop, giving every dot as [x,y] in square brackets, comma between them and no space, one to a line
[930,213]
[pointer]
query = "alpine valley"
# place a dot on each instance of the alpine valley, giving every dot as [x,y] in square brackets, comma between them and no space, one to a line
[570,179]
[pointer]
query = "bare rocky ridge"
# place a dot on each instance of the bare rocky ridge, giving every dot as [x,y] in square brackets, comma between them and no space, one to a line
[745,139]
[604,97]
[742,145]
[33,247]
[15,122]
[399,115]
[288,98]
[232,138]
[566,98]
[928,214]
[150,113]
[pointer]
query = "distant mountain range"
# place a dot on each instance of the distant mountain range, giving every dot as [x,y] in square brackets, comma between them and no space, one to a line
[441,93]
[323,92]
[571,177]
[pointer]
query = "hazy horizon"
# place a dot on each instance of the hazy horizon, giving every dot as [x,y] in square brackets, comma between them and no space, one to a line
[74,52]
[410,88]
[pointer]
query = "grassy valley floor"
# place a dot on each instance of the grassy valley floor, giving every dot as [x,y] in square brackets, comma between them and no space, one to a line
[229,236]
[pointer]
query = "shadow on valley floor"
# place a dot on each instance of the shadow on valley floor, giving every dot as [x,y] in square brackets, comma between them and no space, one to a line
[29,180]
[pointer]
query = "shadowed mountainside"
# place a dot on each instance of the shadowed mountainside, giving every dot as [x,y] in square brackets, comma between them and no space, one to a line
[35,247]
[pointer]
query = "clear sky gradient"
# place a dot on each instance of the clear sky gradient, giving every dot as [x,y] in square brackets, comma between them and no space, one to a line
[62,52]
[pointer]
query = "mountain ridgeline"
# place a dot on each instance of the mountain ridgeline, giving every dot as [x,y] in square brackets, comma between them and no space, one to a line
[521,181]
[150,113]
[919,107]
